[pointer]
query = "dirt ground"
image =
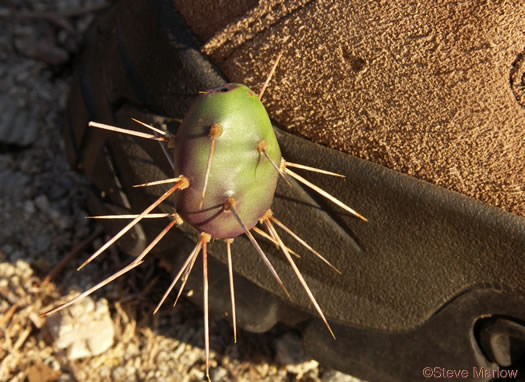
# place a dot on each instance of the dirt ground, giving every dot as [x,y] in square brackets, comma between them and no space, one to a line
[113,336]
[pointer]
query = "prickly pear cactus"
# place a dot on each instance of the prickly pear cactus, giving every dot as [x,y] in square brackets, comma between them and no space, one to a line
[234,117]
[226,161]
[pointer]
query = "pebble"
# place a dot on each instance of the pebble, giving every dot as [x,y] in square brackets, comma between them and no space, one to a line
[29,207]
[337,376]
[41,242]
[6,272]
[218,374]
[42,202]
[83,330]
[118,373]
[61,221]
[289,349]
[303,369]
[17,255]
[7,249]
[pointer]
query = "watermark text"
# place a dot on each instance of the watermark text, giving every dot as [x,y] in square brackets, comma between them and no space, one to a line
[438,372]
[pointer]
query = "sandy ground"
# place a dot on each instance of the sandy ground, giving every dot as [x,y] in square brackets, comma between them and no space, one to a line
[114,336]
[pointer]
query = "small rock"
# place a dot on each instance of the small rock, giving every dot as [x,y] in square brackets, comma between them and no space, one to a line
[23,269]
[17,255]
[41,242]
[59,220]
[37,320]
[29,207]
[40,372]
[42,202]
[302,369]
[289,349]
[57,191]
[219,374]
[196,374]
[7,249]
[85,329]
[337,376]
[119,373]
[6,271]
[104,372]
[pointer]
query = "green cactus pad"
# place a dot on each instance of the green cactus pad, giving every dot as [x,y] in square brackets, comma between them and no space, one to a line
[238,170]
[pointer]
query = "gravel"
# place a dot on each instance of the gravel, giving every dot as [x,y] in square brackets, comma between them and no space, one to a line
[42,210]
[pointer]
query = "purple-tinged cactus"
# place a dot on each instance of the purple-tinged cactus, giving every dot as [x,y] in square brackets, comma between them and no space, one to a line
[235,118]
[226,161]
